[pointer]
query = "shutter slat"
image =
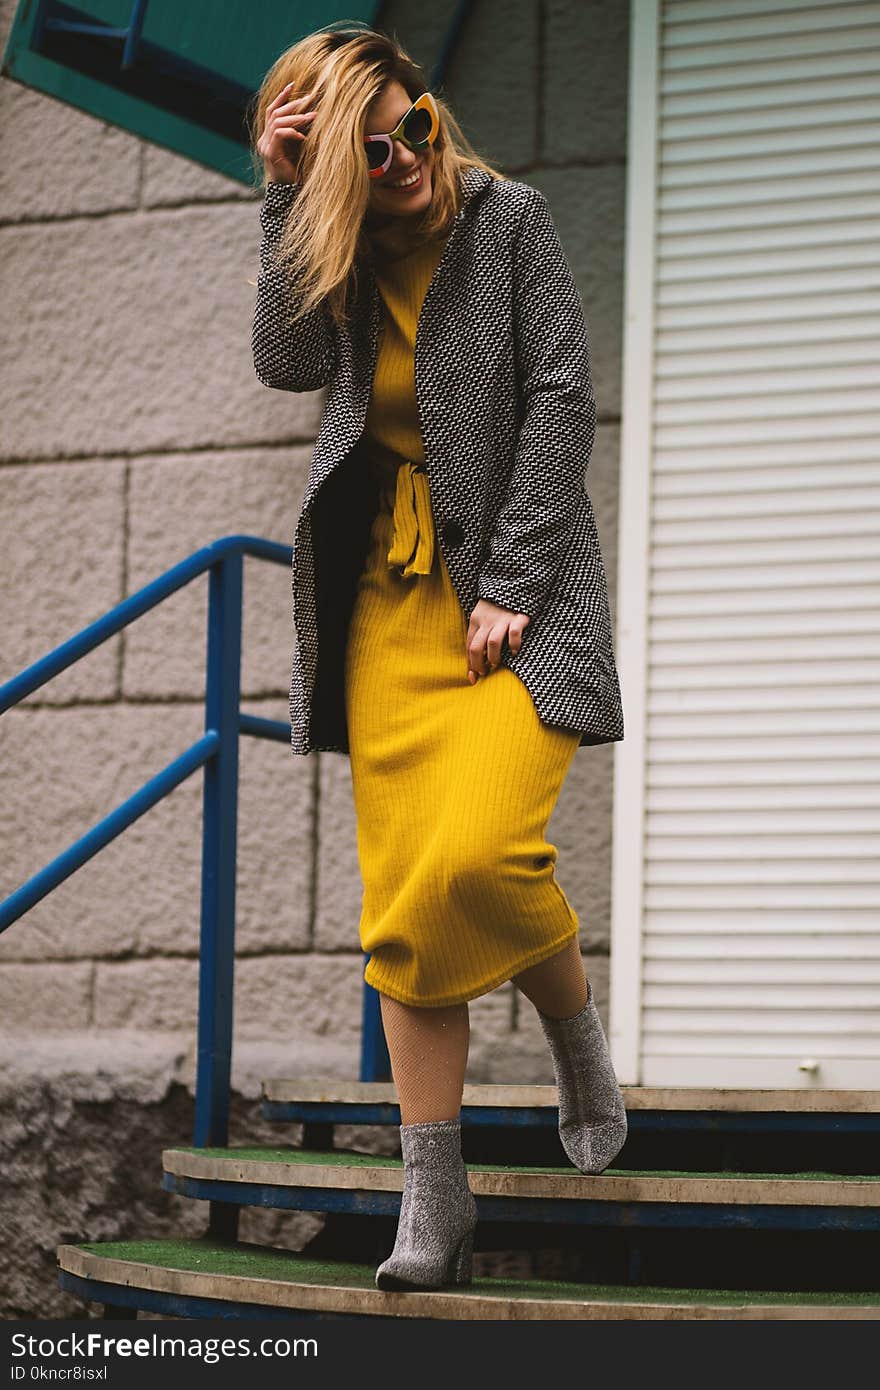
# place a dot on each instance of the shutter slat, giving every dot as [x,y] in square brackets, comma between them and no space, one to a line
[778,973]
[687,20]
[745,930]
[793,124]
[778,954]
[724,199]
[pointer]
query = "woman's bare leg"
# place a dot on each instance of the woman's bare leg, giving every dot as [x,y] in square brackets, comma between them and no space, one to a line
[558,986]
[429,1051]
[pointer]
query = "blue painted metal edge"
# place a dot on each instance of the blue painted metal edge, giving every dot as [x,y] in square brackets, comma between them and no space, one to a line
[386,1113]
[571,1211]
[183,1306]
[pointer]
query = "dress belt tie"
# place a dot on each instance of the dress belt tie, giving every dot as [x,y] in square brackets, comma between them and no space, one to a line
[412,548]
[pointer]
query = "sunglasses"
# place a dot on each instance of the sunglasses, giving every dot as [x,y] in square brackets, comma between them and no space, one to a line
[417,130]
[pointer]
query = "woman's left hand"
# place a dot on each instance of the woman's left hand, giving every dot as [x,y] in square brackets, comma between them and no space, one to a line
[489,625]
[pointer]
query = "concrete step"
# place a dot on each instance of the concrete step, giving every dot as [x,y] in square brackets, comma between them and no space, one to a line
[685,1129]
[209,1278]
[327,1092]
[368,1184]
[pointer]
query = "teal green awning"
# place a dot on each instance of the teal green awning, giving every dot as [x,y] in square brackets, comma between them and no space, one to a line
[181,75]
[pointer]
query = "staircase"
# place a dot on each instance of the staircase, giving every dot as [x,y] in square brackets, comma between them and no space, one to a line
[722,1204]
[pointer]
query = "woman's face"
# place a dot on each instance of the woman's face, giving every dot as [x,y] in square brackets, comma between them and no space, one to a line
[383,115]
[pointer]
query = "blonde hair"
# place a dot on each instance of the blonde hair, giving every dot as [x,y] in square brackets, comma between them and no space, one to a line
[325,233]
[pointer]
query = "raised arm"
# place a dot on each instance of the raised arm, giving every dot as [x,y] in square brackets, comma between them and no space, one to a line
[301,358]
[551,346]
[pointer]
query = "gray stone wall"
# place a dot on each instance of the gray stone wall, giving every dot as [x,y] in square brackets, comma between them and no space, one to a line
[133,431]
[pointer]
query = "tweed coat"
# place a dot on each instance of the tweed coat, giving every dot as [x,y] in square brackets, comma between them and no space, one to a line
[508,417]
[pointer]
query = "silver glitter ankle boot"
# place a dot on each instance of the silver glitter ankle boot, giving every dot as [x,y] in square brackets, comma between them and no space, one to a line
[435,1232]
[592,1115]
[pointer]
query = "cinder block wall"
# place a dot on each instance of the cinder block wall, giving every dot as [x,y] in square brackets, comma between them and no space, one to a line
[132,431]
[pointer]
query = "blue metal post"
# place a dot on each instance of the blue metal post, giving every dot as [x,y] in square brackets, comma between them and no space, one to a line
[375,1061]
[219,835]
[133,37]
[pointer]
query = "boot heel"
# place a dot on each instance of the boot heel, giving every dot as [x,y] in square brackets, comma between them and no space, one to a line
[461,1263]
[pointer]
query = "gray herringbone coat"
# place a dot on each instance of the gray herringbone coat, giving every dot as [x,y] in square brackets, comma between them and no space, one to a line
[508,419]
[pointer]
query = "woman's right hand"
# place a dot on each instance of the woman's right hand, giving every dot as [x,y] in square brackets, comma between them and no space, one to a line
[280,143]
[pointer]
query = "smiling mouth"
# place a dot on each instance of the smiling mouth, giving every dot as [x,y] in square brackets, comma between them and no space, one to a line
[406,188]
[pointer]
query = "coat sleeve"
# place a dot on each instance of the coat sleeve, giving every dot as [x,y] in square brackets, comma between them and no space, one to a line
[301,358]
[551,348]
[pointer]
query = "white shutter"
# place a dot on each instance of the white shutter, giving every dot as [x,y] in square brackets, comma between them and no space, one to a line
[746,926]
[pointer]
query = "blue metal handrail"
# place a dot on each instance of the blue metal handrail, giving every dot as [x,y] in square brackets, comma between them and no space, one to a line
[217,752]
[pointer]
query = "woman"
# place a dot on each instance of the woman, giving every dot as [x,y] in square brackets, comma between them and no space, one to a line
[450,601]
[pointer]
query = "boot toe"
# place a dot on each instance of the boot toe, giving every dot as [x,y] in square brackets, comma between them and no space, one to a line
[592,1148]
[404,1278]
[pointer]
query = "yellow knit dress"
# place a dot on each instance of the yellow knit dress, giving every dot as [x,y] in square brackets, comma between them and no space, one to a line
[453,783]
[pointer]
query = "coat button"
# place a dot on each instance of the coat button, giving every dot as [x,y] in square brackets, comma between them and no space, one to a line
[453,532]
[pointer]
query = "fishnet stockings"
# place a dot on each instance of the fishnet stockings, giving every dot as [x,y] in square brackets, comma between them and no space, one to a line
[428,1050]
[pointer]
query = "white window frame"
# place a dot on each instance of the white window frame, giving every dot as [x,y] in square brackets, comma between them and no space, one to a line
[625,1004]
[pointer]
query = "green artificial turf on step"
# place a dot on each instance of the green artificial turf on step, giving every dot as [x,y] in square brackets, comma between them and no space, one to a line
[357,1160]
[245,1260]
